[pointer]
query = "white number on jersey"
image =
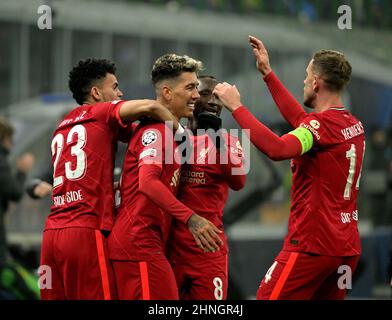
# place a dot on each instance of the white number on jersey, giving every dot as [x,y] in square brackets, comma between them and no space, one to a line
[218,292]
[268,275]
[352,156]
[77,133]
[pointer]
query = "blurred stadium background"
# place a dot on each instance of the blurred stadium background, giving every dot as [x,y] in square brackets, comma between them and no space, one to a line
[34,66]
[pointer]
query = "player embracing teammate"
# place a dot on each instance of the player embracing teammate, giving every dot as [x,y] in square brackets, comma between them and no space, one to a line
[150,181]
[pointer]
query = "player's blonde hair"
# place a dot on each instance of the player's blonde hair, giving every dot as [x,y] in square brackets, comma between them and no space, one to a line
[171,65]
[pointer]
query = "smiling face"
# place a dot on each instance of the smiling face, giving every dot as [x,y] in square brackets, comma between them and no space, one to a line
[107,89]
[208,102]
[183,95]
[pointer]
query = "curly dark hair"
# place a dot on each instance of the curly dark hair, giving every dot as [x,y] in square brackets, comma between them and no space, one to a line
[85,74]
[170,66]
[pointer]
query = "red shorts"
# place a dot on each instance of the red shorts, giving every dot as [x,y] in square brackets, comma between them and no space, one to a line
[145,280]
[304,276]
[78,265]
[202,279]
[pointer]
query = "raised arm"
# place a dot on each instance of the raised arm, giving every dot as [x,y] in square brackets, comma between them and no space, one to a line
[288,106]
[276,148]
[288,146]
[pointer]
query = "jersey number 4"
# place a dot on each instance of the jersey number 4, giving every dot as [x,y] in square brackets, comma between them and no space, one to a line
[352,156]
[77,134]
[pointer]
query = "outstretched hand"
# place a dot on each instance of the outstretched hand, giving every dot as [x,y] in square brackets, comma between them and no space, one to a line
[261,54]
[206,234]
[229,95]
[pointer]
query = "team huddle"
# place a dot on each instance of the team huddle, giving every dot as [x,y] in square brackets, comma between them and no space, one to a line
[166,240]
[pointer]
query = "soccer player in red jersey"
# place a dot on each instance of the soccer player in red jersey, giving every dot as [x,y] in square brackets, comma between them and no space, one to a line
[204,188]
[74,259]
[322,247]
[149,186]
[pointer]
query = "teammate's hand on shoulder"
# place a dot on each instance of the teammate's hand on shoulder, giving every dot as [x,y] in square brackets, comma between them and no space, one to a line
[261,54]
[206,234]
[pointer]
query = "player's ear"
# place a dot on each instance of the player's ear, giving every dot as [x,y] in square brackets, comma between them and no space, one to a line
[166,93]
[95,93]
[316,83]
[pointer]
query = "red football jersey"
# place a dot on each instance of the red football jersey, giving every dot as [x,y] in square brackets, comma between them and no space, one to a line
[204,188]
[83,155]
[141,228]
[324,214]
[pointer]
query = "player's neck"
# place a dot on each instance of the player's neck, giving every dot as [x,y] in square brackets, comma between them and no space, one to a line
[90,101]
[192,125]
[327,101]
[168,107]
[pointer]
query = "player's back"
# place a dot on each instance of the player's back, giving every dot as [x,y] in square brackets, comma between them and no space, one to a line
[83,154]
[326,180]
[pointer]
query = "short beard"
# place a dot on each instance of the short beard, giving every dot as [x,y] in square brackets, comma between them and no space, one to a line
[308,102]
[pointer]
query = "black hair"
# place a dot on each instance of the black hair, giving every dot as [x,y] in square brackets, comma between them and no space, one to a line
[85,74]
[206,76]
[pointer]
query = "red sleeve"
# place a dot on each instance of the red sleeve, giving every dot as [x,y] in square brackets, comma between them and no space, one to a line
[124,134]
[113,116]
[288,106]
[234,169]
[275,147]
[151,146]
[153,188]
[235,181]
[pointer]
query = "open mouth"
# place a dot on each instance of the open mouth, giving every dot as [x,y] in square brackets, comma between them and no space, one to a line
[211,110]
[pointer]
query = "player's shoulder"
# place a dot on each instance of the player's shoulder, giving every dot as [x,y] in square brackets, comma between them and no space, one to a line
[149,132]
[329,119]
[232,140]
[103,107]
[229,138]
[335,125]
[150,124]
[107,103]
[340,118]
